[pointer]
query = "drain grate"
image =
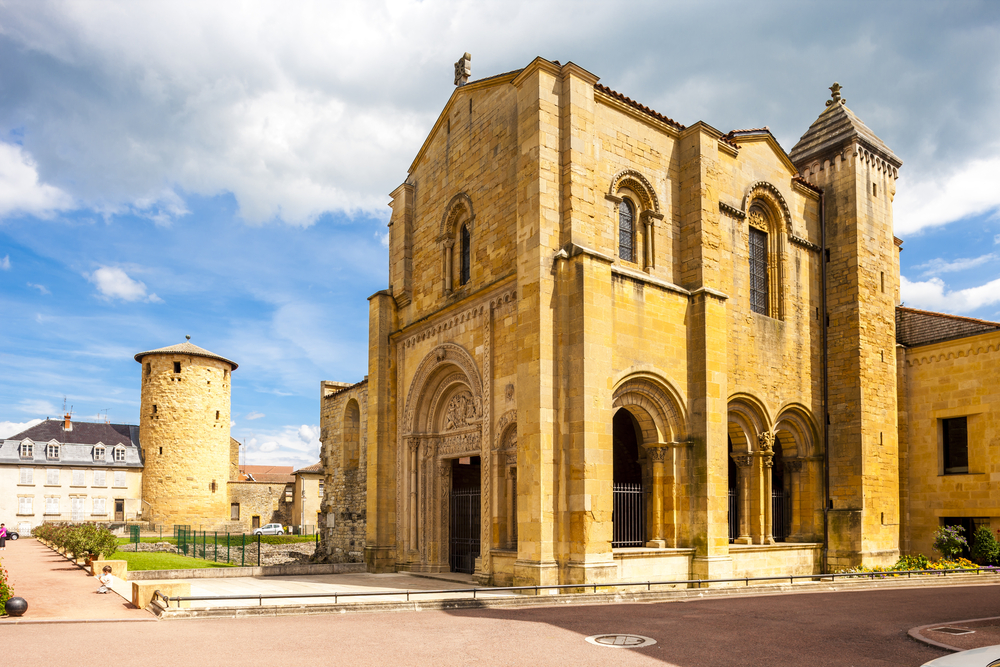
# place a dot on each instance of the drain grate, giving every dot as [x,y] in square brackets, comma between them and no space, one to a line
[621,641]
[954,631]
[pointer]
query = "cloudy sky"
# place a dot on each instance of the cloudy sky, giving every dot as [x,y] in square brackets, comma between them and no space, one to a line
[222,169]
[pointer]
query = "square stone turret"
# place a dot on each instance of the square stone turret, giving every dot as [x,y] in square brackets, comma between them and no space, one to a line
[857,172]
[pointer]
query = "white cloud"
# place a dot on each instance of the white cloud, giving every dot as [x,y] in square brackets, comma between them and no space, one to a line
[933,295]
[38,407]
[41,288]
[8,429]
[5,263]
[936,200]
[113,283]
[20,189]
[255,415]
[293,445]
[937,266]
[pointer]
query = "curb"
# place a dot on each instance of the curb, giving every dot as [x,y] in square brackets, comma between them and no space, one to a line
[519,601]
[917,633]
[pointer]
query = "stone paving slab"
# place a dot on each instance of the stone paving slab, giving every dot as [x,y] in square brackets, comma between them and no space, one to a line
[57,589]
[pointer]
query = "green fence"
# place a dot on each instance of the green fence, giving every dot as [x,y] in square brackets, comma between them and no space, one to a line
[234,548]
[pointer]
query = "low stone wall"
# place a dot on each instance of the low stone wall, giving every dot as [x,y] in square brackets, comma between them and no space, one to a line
[767,560]
[232,572]
[641,564]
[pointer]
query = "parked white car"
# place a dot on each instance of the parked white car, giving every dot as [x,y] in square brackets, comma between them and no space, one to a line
[987,656]
[270,529]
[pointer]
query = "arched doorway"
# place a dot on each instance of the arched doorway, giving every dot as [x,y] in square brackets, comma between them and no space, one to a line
[734,495]
[779,495]
[629,515]
[465,519]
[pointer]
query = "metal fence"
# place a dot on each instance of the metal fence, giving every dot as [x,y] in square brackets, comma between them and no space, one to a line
[576,588]
[232,548]
[629,518]
[734,513]
[779,514]
[465,536]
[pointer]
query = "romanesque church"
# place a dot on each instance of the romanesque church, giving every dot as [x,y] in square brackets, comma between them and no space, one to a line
[617,348]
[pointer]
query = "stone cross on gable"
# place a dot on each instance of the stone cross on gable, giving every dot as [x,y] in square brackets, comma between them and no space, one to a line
[835,89]
[463,70]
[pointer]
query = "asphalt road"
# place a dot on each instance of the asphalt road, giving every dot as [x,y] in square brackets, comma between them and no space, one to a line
[842,629]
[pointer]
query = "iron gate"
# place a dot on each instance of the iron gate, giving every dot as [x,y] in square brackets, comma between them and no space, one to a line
[734,513]
[779,515]
[464,538]
[629,518]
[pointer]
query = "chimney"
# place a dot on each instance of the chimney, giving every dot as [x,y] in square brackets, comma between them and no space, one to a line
[68,425]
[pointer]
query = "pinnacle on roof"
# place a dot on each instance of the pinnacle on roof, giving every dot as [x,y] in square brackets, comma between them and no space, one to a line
[834,128]
[188,348]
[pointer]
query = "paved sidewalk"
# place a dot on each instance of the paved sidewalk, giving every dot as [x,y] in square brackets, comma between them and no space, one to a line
[394,585]
[57,589]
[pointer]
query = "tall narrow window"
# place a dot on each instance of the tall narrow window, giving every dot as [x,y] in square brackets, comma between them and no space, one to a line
[626,231]
[758,271]
[466,271]
[177,367]
[955,441]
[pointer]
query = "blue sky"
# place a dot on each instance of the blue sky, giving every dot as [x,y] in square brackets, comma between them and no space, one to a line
[222,170]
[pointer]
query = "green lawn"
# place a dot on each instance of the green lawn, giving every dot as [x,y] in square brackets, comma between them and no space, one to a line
[147,560]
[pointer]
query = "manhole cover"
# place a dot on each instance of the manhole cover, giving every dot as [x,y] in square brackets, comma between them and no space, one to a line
[954,631]
[621,641]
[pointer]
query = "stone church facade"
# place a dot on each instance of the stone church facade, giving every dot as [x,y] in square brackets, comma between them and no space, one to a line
[607,344]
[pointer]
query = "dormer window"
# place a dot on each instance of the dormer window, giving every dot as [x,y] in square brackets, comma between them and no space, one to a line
[99,454]
[52,452]
[119,454]
[27,449]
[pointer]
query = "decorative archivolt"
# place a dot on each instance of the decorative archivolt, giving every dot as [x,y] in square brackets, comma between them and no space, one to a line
[441,358]
[796,430]
[748,419]
[655,407]
[503,302]
[507,421]
[768,194]
[459,208]
[637,183]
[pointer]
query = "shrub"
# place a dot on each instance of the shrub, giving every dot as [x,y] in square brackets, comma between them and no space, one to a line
[84,540]
[985,549]
[6,592]
[948,541]
[914,562]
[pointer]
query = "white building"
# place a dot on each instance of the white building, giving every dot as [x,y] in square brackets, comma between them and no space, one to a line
[60,470]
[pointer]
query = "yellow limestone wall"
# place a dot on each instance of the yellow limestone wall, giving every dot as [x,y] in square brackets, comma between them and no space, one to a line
[186,447]
[951,379]
[554,323]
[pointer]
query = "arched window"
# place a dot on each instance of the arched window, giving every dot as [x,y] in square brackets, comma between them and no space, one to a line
[758,271]
[466,262]
[626,231]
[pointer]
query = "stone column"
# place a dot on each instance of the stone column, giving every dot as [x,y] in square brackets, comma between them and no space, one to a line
[648,260]
[510,466]
[766,442]
[414,446]
[767,462]
[657,453]
[449,257]
[442,517]
[743,463]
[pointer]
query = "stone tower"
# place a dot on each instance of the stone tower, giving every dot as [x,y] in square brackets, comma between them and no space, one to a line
[857,172]
[184,430]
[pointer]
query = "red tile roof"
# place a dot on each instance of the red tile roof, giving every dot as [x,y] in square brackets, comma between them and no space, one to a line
[922,327]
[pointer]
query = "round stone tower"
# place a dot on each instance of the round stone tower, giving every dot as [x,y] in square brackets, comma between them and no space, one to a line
[184,431]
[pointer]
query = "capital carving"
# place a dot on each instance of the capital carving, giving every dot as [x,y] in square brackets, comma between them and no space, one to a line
[766,441]
[768,460]
[793,465]
[742,460]
[657,454]
[414,444]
